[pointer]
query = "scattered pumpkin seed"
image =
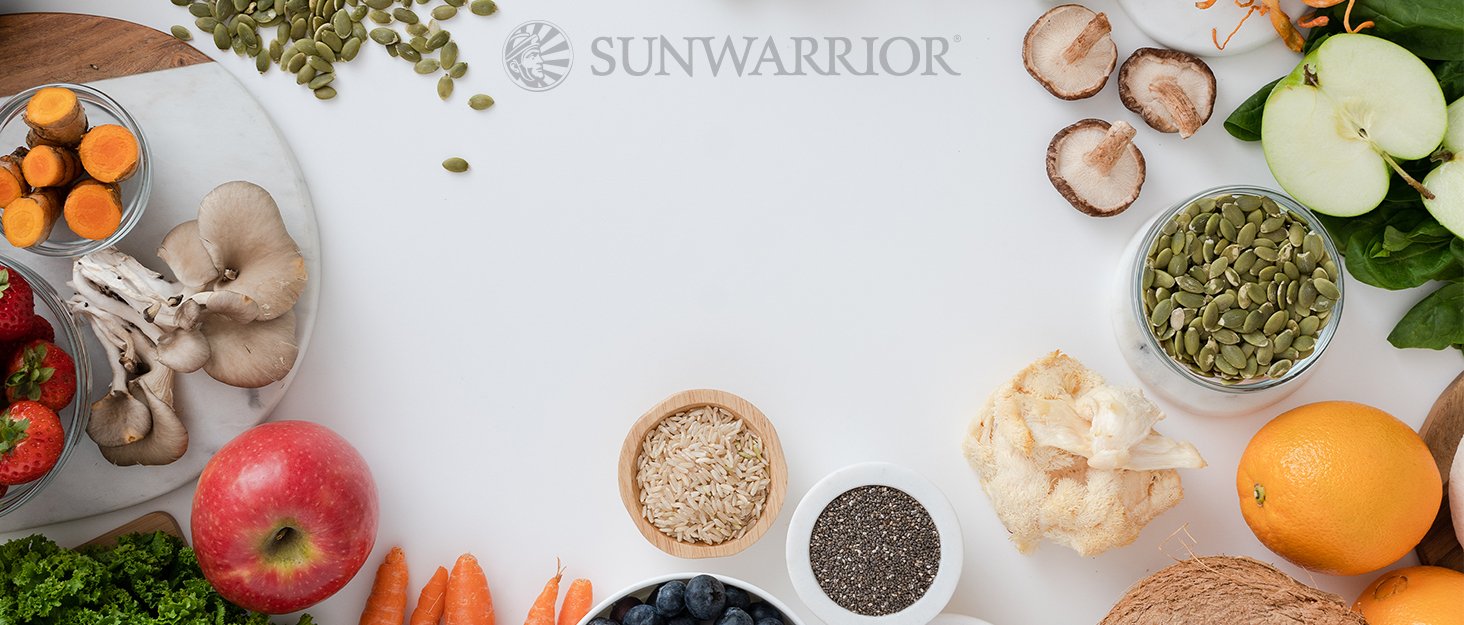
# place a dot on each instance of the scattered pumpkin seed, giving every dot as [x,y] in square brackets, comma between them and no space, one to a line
[455,165]
[181,33]
[404,15]
[444,12]
[444,87]
[325,93]
[483,7]
[384,36]
[427,66]
[448,55]
[480,101]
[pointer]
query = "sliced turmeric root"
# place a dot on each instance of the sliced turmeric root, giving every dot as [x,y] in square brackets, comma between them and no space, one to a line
[28,220]
[93,209]
[55,117]
[109,153]
[12,179]
[50,166]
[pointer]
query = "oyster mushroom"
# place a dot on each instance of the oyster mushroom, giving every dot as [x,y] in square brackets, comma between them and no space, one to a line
[260,270]
[117,418]
[184,253]
[250,355]
[1096,166]
[1069,51]
[1173,91]
[168,439]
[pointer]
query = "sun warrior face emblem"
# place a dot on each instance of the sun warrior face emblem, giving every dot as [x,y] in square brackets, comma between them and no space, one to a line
[537,56]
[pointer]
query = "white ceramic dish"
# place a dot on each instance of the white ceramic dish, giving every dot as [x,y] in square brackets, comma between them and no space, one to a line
[643,590]
[1178,24]
[957,619]
[800,529]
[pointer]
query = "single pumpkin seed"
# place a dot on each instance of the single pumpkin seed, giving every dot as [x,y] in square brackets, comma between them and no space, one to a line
[444,87]
[455,165]
[325,93]
[350,49]
[1326,288]
[405,16]
[321,80]
[438,40]
[1210,318]
[1226,336]
[181,33]
[262,61]
[379,16]
[205,24]
[1275,322]
[417,30]
[444,12]
[483,7]
[378,4]
[1283,339]
[296,62]
[426,66]
[458,69]
[1189,300]
[384,36]
[457,3]
[305,75]
[332,41]
[1304,344]
[320,64]
[1253,321]
[1233,355]
[199,9]
[1233,318]
[408,52]
[221,37]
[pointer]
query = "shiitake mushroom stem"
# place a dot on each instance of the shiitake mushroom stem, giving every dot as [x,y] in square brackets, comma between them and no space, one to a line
[1173,98]
[1114,145]
[1097,29]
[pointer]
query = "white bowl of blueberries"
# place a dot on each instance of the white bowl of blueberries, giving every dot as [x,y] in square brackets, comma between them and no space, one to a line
[692,599]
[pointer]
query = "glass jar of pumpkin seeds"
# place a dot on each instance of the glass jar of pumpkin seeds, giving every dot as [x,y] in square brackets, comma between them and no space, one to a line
[1227,299]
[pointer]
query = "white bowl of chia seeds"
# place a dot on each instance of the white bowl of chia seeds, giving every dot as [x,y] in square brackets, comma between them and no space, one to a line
[875,544]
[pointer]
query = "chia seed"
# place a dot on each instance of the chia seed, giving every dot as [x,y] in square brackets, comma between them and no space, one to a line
[875,550]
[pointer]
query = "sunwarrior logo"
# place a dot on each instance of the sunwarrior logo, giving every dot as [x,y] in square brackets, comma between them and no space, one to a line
[537,55]
[770,56]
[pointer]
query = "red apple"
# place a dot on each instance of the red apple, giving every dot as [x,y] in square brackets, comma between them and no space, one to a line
[284,516]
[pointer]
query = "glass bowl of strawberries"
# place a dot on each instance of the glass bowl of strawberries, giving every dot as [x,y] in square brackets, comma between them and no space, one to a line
[45,362]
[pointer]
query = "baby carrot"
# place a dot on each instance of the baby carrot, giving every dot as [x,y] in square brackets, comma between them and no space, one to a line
[577,602]
[429,605]
[542,612]
[467,598]
[387,603]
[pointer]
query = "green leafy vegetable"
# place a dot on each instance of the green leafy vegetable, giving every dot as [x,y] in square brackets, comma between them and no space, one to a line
[1431,29]
[1451,78]
[1398,245]
[147,579]
[1436,322]
[1245,122]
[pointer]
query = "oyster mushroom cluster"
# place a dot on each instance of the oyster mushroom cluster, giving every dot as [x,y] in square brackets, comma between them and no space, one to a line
[230,313]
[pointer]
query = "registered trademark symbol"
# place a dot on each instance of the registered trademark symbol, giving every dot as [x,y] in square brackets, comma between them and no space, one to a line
[956,39]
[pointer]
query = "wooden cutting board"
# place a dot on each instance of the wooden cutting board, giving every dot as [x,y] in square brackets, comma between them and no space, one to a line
[184,103]
[1442,431]
[150,522]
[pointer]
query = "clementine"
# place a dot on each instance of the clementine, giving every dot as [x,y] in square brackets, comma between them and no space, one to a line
[1338,487]
[1417,595]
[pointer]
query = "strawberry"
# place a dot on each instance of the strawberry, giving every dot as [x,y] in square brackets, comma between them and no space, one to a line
[16,305]
[30,442]
[40,329]
[41,372]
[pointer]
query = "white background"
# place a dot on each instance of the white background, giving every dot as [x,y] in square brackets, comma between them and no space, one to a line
[863,258]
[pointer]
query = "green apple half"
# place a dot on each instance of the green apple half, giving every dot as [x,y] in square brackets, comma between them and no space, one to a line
[1333,127]
[1446,181]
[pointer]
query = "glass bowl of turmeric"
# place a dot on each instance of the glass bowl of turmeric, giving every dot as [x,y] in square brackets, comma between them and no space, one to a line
[78,177]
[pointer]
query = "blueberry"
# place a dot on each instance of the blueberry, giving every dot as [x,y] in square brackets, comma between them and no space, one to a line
[765,611]
[761,621]
[735,616]
[603,621]
[737,598]
[681,620]
[617,611]
[641,615]
[670,600]
[705,597]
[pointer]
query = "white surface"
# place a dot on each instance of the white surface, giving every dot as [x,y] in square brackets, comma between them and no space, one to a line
[178,110]
[864,258]
[800,535]
[1180,25]
[642,590]
[957,619]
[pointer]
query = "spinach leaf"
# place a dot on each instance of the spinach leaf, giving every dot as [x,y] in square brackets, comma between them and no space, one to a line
[1451,78]
[1436,322]
[1398,245]
[1245,122]
[1432,29]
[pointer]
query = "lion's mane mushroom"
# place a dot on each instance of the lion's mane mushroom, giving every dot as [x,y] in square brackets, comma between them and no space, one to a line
[1096,166]
[239,276]
[1173,91]
[1069,51]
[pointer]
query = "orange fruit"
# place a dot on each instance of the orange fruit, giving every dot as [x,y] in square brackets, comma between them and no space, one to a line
[1338,487]
[1417,595]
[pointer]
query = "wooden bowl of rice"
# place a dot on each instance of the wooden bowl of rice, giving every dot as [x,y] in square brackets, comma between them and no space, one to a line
[702,474]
